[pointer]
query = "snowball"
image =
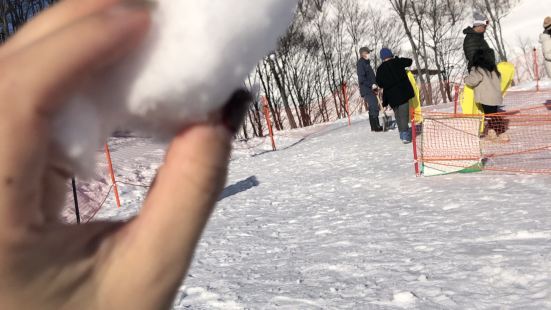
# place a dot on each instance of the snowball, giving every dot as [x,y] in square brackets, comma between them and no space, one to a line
[195,55]
[404,299]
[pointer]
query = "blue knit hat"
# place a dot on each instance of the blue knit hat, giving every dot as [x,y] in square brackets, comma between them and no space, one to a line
[386,53]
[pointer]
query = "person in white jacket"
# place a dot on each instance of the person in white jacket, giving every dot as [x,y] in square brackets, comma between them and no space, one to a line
[545,40]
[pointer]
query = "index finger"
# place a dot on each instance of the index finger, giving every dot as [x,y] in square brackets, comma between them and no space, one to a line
[33,85]
[52,19]
[179,205]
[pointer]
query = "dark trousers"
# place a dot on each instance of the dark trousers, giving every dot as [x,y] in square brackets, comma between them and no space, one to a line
[373,105]
[495,122]
[489,109]
[401,113]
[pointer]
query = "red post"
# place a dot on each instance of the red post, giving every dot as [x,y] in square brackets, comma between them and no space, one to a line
[536,69]
[414,142]
[346,103]
[269,121]
[456,98]
[112,173]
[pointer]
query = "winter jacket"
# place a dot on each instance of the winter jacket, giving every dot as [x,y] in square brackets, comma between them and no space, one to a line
[393,79]
[545,40]
[366,77]
[487,86]
[473,42]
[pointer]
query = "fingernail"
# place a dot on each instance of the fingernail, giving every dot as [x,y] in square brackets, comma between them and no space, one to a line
[235,110]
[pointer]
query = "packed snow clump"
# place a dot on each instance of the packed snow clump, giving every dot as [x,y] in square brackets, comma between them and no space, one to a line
[195,56]
[404,299]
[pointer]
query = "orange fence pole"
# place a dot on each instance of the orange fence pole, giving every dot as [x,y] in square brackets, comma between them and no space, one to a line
[269,122]
[457,89]
[112,172]
[346,103]
[536,69]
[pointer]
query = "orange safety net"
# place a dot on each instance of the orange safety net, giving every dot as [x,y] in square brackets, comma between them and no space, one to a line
[134,162]
[92,194]
[516,141]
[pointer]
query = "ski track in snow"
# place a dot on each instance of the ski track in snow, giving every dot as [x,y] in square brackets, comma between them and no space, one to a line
[338,220]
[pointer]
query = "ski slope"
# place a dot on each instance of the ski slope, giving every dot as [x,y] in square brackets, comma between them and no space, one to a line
[336,219]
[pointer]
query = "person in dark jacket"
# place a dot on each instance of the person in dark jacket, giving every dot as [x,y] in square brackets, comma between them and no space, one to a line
[368,87]
[397,90]
[474,40]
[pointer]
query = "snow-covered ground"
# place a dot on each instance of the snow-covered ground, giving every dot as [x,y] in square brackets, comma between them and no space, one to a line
[544,84]
[336,219]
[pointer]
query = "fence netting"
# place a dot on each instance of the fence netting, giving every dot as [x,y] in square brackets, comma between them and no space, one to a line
[135,161]
[515,141]
[91,194]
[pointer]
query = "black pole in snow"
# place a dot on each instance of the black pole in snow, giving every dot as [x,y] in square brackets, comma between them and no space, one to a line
[75,198]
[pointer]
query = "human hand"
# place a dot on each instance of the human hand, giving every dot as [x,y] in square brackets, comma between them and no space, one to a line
[45,264]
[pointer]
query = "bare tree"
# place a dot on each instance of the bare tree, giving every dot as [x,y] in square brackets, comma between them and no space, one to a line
[443,29]
[496,11]
[383,31]
[265,78]
[418,14]
[356,22]
[403,8]
[310,9]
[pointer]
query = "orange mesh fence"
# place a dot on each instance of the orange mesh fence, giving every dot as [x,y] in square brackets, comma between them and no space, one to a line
[134,162]
[516,141]
[92,194]
[519,99]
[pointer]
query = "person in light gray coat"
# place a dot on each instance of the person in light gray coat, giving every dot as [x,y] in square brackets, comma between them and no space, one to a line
[485,79]
[545,40]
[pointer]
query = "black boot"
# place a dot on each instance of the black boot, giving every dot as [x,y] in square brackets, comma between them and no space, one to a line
[375,126]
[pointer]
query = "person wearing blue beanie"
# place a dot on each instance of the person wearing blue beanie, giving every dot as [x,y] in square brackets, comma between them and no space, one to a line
[386,53]
[397,90]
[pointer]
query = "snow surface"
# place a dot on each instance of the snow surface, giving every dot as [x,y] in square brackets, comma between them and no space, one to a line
[197,50]
[336,219]
[544,84]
